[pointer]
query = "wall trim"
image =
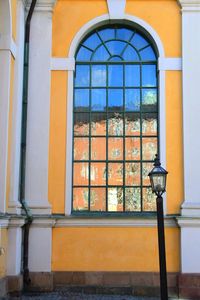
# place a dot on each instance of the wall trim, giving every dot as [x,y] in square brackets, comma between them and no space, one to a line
[116,8]
[62,64]
[8,44]
[170,64]
[184,222]
[42,5]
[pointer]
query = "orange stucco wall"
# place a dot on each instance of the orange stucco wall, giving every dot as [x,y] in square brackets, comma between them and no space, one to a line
[3,257]
[14,17]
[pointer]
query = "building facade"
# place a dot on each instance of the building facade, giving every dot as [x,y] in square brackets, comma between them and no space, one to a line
[90,91]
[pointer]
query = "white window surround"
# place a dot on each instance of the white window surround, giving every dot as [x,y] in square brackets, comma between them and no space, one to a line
[88,27]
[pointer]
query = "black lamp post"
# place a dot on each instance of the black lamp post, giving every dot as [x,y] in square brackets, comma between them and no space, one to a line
[158,177]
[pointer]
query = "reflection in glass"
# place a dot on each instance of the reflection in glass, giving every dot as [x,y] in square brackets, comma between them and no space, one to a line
[149,99]
[81,99]
[83,54]
[132,199]
[101,54]
[98,99]
[115,47]
[81,148]
[132,148]
[124,34]
[115,99]
[115,75]
[98,124]
[130,54]
[132,174]
[92,41]
[149,75]
[132,124]
[149,148]
[99,75]
[81,124]
[132,99]
[149,200]
[82,76]
[98,174]
[115,124]
[97,199]
[146,168]
[115,173]
[115,148]
[115,199]
[132,75]
[149,124]
[98,148]
[107,34]
[80,198]
[147,54]
[80,174]
[138,41]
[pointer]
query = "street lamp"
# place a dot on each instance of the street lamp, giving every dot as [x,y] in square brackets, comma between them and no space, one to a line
[158,177]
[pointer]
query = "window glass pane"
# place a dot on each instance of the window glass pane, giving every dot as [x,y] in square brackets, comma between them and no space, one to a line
[81,148]
[99,75]
[92,41]
[81,124]
[115,124]
[115,199]
[149,99]
[132,75]
[80,198]
[115,173]
[97,199]
[124,34]
[149,124]
[132,99]
[107,34]
[132,124]
[130,54]
[83,54]
[138,41]
[115,76]
[81,100]
[132,199]
[98,149]
[149,148]
[115,99]
[147,54]
[115,148]
[98,101]
[98,124]
[115,58]
[101,54]
[98,173]
[115,47]
[149,200]
[81,174]
[82,76]
[132,174]
[146,168]
[132,148]
[149,75]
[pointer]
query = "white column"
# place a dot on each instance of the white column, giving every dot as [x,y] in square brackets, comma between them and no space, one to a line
[36,189]
[189,222]
[14,249]
[14,205]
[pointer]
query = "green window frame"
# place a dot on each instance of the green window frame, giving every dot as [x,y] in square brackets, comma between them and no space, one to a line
[115,122]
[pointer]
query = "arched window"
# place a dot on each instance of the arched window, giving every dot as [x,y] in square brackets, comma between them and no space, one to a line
[115,113]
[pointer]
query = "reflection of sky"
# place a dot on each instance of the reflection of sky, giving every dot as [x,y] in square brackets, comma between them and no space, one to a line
[99,75]
[132,99]
[149,75]
[115,98]
[81,98]
[98,99]
[115,75]
[82,76]
[132,75]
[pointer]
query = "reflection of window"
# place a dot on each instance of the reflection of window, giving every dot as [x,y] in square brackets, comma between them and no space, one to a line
[115,136]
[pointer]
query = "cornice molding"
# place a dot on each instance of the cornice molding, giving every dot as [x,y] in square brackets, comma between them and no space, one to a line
[42,5]
[190,5]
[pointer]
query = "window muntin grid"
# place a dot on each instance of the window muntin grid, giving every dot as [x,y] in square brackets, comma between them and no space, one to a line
[115,136]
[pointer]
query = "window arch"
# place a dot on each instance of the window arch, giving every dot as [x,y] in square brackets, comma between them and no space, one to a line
[115,112]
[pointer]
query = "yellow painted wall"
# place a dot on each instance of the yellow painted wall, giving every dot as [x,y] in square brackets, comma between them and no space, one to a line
[3,243]
[10,131]
[112,249]
[14,17]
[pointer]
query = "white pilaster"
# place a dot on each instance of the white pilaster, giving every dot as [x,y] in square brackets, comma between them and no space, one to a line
[14,250]
[36,189]
[14,205]
[189,222]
